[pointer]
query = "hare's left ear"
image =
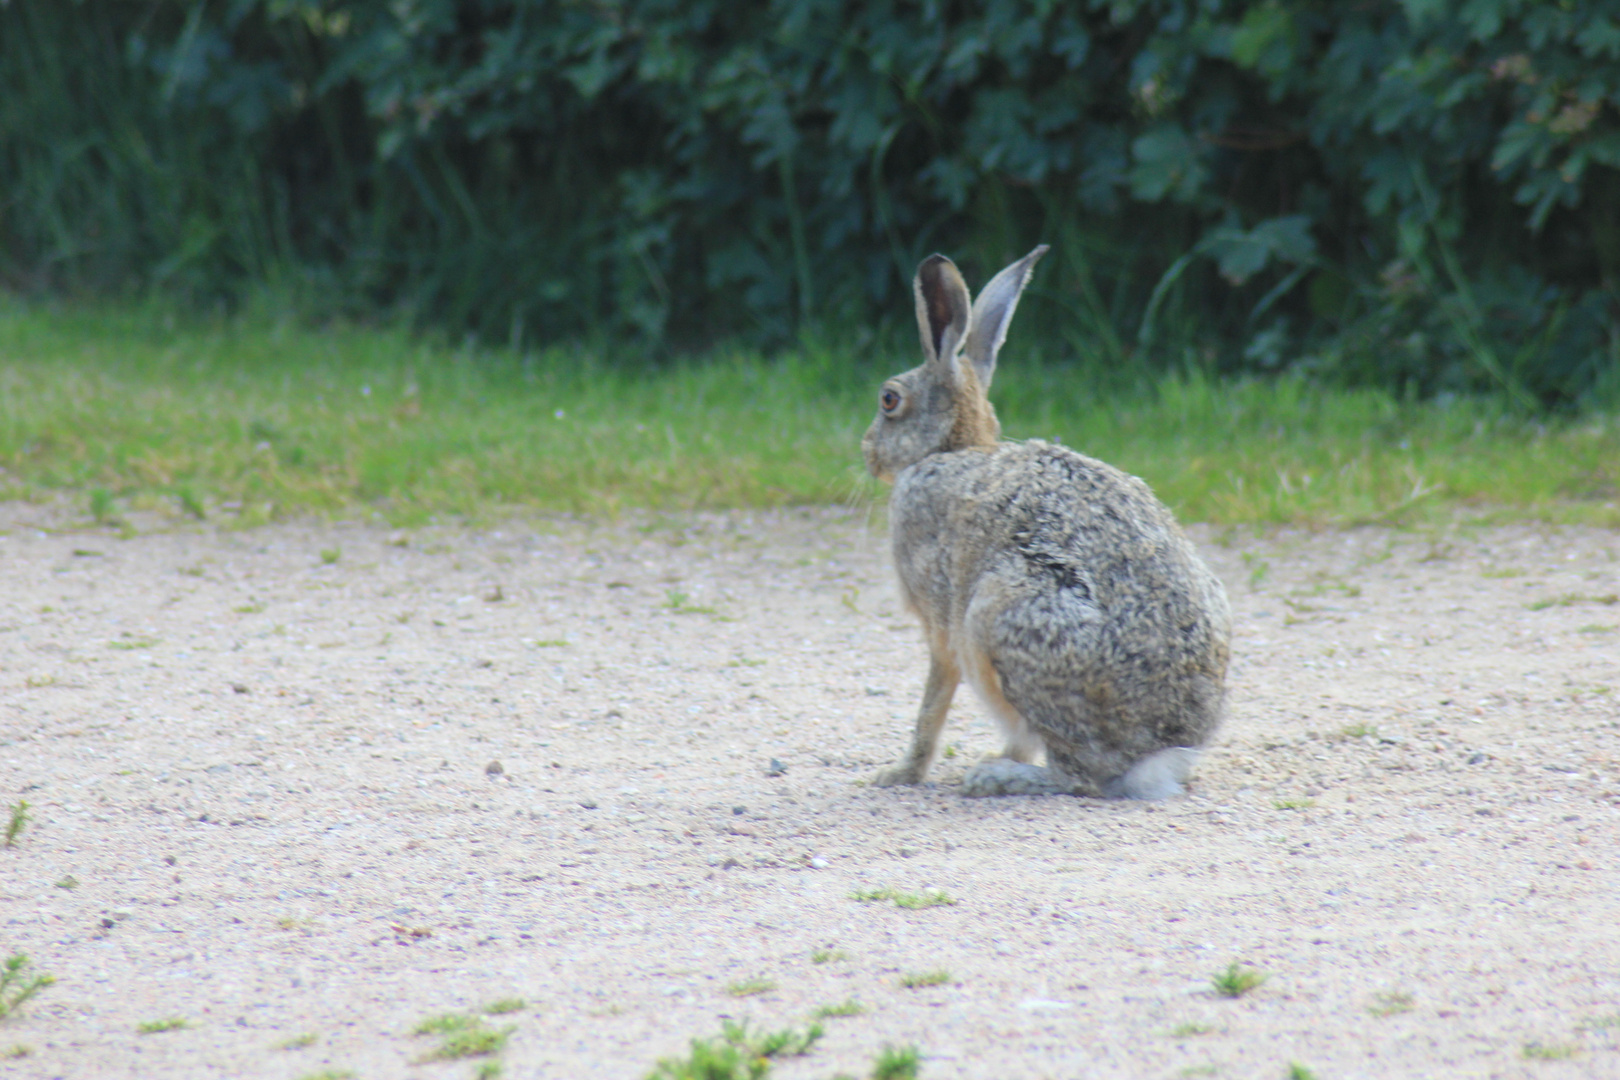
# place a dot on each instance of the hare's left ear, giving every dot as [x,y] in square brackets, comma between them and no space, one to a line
[942,310]
[992,311]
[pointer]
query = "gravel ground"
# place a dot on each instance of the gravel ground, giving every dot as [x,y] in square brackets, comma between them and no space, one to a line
[262,768]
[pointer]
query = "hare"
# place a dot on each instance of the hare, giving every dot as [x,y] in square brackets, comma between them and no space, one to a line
[1057,585]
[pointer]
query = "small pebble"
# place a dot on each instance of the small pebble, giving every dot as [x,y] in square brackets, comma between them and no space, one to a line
[775,768]
[739,810]
[494,768]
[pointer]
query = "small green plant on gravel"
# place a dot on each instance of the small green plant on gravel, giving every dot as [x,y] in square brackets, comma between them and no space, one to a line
[789,1042]
[1357,731]
[750,987]
[329,1074]
[850,1007]
[168,1023]
[1182,1031]
[1540,1051]
[298,1042]
[1391,1003]
[1236,980]
[130,644]
[101,507]
[487,1070]
[737,1054]
[445,1024]
[827,955]
[915,980]
[68,882]
[925,899]
[474,1041]
[1568,599]
[330,555]
[1611,1022]
[896,1063]
[18,1050]
[19,820]
[1293,804]
[503,1006]
[1296,1071]
[18,983]
[681,604]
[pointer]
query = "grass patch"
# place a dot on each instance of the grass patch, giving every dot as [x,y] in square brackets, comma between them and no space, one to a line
[168,1023]
[18,983]
[1292,804]
[1185,1031]
[503,1006]
[471,1042]
[17,1050]
[1357,731]
[330,1074]
[17,821]
[128,410]
[1611,1022]
[1392,1003]
[1539,1051]
[925,899]
[896,1063]
[1296,1071]
[446,1024]
[1236,980]
[827,956]
[916,980]
[737,1054]
[133,643]
[750,987]
[298,1042]
[850,1007]
[1569,599]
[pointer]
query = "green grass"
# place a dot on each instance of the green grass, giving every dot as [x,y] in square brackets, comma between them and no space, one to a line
[248,419]
[168,1023]
[849,1007]
[737,1054]
[750,987]
[17,821]
[1236,980]
[18,983]
[503,1006]
[1538,1051]
[1391,1003]
[916,980]
[896,1063]
[925,899]
[298,1042]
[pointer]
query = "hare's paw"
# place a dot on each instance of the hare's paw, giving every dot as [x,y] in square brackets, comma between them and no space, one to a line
[897,776]
[1003,776]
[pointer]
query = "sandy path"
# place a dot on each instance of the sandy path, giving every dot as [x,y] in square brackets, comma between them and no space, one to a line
[257,764]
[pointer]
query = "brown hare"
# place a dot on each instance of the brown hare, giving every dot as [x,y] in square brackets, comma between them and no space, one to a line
[1058,586]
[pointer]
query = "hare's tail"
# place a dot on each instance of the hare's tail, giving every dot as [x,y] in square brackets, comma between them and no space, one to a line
[1157,776]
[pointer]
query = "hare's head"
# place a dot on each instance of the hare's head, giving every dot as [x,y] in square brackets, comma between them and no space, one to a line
[941,405]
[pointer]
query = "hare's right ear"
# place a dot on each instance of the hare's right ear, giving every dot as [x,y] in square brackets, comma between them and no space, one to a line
[942,310]
[993,310]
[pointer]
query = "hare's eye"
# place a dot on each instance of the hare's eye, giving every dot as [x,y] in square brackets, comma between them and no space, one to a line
[890,400]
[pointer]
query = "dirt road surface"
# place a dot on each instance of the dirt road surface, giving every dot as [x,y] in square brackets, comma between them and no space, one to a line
[313,784]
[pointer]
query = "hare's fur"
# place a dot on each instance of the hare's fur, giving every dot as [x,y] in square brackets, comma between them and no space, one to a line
[1056,585]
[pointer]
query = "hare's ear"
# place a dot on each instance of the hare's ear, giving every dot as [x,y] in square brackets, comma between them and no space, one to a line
[993,310]
[942,309]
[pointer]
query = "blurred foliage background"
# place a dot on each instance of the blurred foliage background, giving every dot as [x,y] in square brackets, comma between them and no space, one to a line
[1420,195]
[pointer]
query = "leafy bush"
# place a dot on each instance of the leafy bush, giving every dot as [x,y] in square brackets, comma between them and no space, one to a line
[1409,194]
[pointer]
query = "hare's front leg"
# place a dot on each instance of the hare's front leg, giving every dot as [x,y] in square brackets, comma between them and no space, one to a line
[943,676]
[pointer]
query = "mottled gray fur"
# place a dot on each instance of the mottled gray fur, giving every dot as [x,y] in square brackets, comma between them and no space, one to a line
[1056,585]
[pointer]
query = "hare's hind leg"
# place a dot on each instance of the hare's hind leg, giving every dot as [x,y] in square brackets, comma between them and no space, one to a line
[943,677]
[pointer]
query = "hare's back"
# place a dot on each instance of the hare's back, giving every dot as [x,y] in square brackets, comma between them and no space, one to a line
[1080,536]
